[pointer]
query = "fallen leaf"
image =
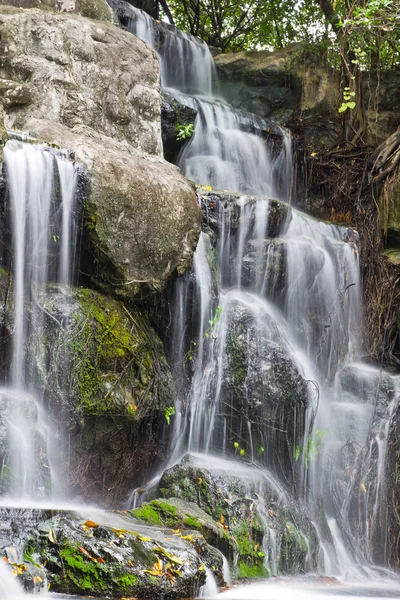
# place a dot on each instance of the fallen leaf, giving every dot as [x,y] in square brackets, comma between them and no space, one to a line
[91,524]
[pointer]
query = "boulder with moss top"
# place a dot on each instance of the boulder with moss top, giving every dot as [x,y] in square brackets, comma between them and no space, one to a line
[264,530]
[100,554]
[103,373]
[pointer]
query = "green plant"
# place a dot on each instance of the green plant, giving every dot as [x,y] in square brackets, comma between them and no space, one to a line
[184,132]
[169,411]
[213,322]
[311,448]
[347,102]
[192,348]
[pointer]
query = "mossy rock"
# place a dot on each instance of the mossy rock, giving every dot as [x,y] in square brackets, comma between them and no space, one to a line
[179,514]
[107,380]
[82,557]
[264,533]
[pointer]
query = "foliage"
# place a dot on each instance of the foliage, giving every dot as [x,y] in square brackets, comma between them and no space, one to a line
[347,100]
[169,411]
[366,35]
[311,448]
[184,132]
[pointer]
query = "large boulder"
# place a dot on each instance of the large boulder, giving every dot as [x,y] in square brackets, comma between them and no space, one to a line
[245,513]
[93,9]
[94,89]
[80,73]
[280,84]
[102,372]
[142,220]
[100,554]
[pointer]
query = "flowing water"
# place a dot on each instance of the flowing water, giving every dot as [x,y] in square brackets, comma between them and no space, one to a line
[270,306]
[223,152]
[266,336]
[41,194]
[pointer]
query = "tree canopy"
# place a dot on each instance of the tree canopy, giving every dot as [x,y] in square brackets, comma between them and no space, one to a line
[366,31]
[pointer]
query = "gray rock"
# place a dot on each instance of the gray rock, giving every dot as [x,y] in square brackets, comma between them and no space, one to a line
[93,9]
[82,74]
[103,554]
[254,513]
[174,114]
[142,218]
[211,201]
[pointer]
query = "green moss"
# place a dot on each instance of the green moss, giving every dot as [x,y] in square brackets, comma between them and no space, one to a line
[158,512]
[192,522]
[294,550]
[126,581]
[111,348]
[246,571]
[81,571]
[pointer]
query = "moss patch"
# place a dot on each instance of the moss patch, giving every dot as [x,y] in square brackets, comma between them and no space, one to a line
[158,512]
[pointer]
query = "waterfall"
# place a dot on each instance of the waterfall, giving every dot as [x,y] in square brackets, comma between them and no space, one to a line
[41,191]
[266,335]
[223,152]
[10,588]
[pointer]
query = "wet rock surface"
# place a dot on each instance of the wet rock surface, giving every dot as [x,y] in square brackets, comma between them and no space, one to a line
[212,201]
[91,552]
[103,373]
[174,115]
[262,531]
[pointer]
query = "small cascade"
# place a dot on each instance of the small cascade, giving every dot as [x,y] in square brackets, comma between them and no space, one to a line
[210,588]
[10,588]
[41,189]
[224,152]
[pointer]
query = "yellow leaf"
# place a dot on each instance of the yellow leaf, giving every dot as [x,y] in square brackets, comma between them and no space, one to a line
[37,579]
[142,539]
[364,489]
[155,573]
[52,536]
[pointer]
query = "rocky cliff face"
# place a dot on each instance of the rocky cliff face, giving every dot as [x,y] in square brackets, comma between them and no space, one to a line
[93,89]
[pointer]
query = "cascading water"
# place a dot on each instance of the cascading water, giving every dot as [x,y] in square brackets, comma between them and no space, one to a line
[223,152]
[41,188]
[267,331]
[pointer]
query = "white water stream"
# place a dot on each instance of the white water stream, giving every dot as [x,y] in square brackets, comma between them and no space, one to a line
[287,295]
[296,294]
[41,191]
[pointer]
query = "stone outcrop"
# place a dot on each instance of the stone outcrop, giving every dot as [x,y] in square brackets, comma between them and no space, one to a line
[102,554]
[92,9]
[248,510]
[83,74]
[93,88]
[291,83]
[141,215]
[106,381]
[276,84]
